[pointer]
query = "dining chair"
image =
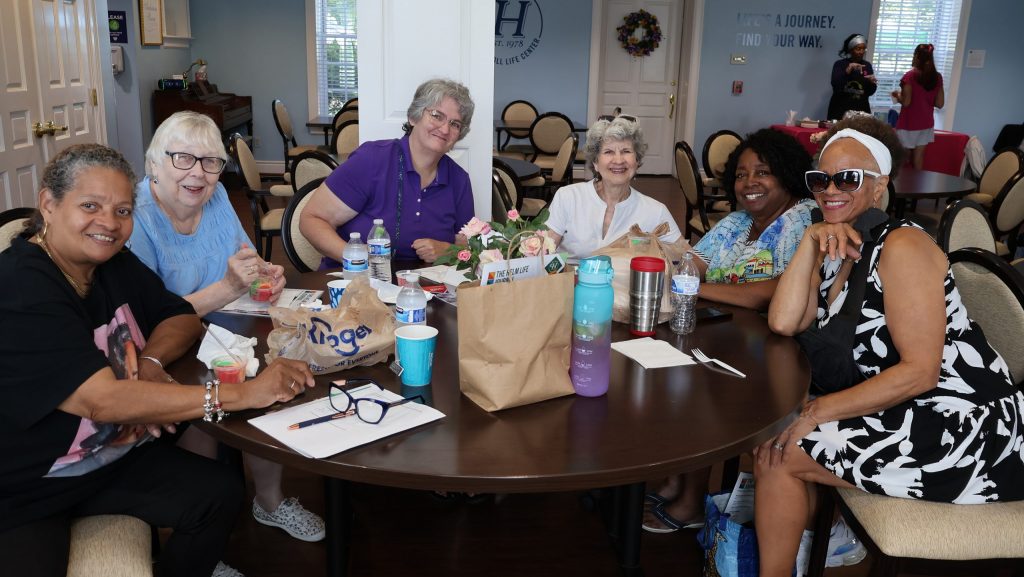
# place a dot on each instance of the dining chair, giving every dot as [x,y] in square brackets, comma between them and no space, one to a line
[501,201]
[698,219]
[266,222]
[717,149]
[927,538]
[518,112]
[303,255]
[311,165]
[964,224]
[998,172]
[527,207]
[351,103]
[547,133]
[12,222]
[561,173]
[345,140]
[283,121]
[344,115]
[110,546]
[1007,215]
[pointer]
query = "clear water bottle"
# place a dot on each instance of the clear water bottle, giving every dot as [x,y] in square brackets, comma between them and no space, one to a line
[354,258]
[592,327]
[685,285]
[380,251]
[411,303]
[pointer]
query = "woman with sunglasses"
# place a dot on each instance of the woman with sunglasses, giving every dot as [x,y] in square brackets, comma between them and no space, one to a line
[423,196]
[87,328]
[187,231]
[919,94]
[937,416]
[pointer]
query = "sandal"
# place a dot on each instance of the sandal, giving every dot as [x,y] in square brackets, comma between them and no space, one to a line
[669,523]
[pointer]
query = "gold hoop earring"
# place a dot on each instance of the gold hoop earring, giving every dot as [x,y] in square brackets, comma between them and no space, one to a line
[45,228]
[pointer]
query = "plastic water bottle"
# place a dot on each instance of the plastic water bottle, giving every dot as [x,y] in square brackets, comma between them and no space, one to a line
[592,327]
[685,285]
[411,305]
[353,258]
[380,251]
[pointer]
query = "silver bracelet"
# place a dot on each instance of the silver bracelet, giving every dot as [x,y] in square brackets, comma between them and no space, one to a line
[154,359]
[212,408]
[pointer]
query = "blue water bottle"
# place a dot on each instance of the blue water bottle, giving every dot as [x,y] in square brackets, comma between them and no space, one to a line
[592,327]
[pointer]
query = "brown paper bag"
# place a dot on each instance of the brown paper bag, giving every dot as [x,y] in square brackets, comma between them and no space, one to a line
[622,252]
[360,332]
[514,341]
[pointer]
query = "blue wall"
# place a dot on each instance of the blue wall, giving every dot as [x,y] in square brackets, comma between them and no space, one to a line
[555,77]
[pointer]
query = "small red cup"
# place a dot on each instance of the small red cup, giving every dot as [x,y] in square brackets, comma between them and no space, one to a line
[228,370]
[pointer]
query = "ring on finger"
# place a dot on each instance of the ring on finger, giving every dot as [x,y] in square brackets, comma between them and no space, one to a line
[829,237]
[778,446]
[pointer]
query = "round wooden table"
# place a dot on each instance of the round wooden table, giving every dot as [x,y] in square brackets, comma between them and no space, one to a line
[913,184]
[523,169]
[651,423]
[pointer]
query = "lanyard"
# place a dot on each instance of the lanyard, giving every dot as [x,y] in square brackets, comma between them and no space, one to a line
[401,175]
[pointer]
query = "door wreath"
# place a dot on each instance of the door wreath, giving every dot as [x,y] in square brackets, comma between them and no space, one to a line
[650,38]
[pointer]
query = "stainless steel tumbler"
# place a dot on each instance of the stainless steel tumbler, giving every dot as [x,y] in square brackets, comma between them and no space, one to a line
[646,283]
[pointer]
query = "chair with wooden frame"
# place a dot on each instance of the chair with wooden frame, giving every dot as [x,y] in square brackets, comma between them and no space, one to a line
[345,140]
[964,224]
[266,222]
[698,219]
[717,149]
[928,538]
[1007,215]
[518,113]
[300,252]
[311,165]
[501,201]
[283,121]
[997,173]
[547,133]
[12,222]
[527,207]
[561,173]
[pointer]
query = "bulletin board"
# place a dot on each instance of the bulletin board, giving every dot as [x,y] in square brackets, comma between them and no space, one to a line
[151,22]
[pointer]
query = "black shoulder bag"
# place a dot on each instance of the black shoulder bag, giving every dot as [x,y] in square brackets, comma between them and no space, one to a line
[830,348]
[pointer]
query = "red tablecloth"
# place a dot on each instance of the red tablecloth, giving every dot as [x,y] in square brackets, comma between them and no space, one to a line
[946,154]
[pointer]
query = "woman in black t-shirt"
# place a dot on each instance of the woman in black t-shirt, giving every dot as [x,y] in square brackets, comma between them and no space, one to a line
[853,79]
[71,429]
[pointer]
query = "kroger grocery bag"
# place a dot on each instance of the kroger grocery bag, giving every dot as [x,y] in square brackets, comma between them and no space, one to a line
[639,243]
[360,332]
[514,341]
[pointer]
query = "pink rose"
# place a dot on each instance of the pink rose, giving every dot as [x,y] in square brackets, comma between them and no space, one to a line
[532,246]
[465,255]
[491,255]
[474,227]
[513,214]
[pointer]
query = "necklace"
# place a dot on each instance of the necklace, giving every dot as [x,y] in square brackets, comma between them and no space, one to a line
[82,291]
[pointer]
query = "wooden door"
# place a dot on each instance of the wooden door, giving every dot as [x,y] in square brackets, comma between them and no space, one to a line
[645,87]
[49,53]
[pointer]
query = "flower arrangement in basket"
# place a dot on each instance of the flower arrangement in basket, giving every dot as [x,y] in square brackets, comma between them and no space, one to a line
[493,242]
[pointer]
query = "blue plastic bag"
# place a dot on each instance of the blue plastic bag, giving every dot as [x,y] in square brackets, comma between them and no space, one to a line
[730,549]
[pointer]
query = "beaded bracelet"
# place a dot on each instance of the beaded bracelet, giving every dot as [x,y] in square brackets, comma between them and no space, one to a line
[212,409]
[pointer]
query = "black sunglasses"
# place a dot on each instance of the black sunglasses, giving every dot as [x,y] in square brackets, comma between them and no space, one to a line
[849,180]
[610,117]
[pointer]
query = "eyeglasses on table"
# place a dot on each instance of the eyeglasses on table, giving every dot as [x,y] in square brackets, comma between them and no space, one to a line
[368,410]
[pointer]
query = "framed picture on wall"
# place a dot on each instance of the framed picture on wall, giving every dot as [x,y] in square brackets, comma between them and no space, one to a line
[151,22]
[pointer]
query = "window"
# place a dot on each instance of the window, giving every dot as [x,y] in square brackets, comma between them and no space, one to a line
[900,27]
[334,78]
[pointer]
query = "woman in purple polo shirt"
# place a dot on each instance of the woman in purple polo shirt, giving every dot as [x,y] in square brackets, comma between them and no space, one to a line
[423,196]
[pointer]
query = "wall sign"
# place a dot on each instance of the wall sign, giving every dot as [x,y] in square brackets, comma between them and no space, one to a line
[518,27]
[151,24]
[768,30]
[118,26]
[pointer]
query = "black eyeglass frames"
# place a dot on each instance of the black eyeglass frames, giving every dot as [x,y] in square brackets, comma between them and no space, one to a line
[848,180]
[185,161]
[368,410]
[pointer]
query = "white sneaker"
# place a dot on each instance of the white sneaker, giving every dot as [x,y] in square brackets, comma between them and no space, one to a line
[295,519]
[844,548]
[222,570]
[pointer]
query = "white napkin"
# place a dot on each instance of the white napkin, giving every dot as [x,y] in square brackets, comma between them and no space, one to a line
[791,118]
[242,347]
[652,353]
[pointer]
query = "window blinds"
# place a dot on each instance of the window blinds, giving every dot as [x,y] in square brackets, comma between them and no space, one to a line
[336,50]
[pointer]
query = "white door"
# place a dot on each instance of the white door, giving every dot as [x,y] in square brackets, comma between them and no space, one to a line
[47,73]
[644,87]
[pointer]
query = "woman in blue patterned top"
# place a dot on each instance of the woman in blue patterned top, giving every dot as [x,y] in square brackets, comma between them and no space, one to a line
[741,259]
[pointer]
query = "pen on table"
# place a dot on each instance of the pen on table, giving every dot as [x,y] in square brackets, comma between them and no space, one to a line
[233,356]
[318,420]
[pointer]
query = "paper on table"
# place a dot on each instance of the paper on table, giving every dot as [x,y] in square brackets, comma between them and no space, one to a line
[290,298]
[652,353]
[333,437]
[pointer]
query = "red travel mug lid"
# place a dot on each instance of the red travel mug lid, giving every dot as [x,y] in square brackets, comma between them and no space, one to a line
[647,264]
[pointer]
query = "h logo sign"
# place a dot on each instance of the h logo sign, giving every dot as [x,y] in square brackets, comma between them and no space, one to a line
[501,19]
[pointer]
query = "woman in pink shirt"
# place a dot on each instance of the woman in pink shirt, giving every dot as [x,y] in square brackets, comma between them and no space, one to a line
[920,91]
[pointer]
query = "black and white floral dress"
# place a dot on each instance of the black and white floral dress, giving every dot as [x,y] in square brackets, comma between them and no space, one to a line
[961,442]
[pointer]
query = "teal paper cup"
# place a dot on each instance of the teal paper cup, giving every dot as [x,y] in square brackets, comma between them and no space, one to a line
[335,289]
[414,347]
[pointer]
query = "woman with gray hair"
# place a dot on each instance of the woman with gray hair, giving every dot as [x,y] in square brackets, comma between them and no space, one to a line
[588,215]
[422,195]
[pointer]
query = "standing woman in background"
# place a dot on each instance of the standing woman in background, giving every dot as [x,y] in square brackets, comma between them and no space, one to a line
[853,79]
[920,92]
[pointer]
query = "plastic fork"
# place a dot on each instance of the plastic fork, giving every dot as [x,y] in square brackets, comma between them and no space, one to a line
[706,359]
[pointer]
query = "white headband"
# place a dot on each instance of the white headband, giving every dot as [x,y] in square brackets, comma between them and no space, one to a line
[855,41]
[878,150]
